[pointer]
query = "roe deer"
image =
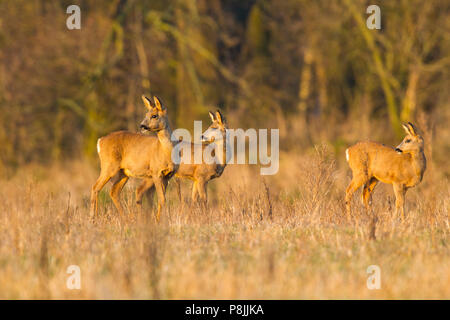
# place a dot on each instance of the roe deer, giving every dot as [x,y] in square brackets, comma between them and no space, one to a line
[125,154]
[203,172]
[403,167]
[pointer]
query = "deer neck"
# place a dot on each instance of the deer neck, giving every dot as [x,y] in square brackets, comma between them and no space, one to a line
[222,146]
[164,139]
[419,164]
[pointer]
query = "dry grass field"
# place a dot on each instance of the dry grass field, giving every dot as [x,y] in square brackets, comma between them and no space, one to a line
[278,237]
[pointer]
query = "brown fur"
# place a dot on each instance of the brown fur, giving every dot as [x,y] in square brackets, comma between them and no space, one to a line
[402,167]
[125,154]
[201,173]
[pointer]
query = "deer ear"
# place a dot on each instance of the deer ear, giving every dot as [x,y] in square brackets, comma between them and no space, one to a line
[211,115]
[406,128]
[219,117]
[158,104]
[148,103]
[412,129]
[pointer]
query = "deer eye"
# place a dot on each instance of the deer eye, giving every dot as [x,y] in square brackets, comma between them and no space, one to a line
[408,141]
[154,116]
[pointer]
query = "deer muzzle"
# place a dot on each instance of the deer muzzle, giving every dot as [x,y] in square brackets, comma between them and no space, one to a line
[207,140]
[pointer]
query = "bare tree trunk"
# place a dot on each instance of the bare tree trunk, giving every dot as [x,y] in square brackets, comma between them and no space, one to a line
[379,68]
[187,81]
[322,86]
[143,73]
[131,107]
[409,101]
[305,83]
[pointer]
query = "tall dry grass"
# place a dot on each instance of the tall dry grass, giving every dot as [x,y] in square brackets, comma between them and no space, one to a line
[279,237]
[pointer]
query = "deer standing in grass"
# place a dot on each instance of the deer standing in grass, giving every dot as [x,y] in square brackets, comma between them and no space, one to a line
[199,173]
[403,167]
[125,154]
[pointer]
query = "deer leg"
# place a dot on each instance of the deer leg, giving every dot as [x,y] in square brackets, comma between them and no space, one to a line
[165,182]
[194,192]
[160,186]
[115,192]
[399,191]
[105,176]
[178,182]
[150,196]
[355,184]
[367,192]
[202,192]
[147,184]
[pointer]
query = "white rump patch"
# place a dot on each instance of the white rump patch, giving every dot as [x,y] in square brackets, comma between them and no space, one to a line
[346,154]
[98,145]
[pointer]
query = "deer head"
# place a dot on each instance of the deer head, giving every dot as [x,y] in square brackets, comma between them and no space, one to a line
[413,142]
[156,117]
[217,129]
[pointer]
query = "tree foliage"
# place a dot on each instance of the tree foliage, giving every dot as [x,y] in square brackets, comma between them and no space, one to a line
[290,64]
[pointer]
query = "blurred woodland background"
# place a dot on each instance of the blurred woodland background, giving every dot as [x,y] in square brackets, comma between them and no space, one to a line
[310,68]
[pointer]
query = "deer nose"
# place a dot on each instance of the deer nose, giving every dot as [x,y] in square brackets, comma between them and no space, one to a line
[143,126]
[398,150]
